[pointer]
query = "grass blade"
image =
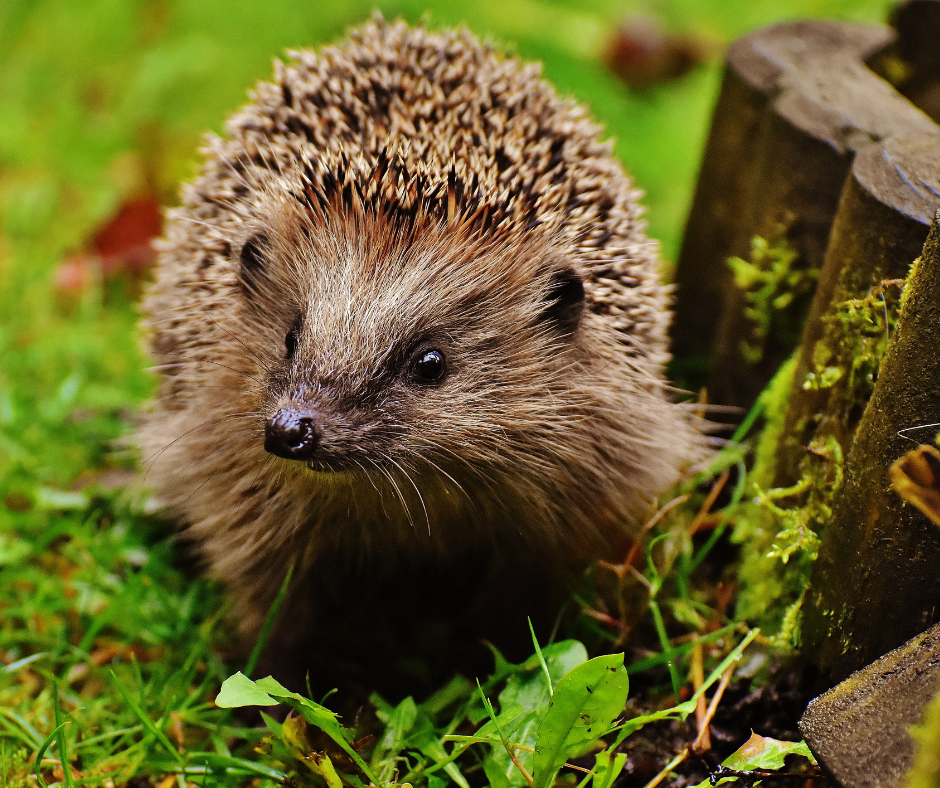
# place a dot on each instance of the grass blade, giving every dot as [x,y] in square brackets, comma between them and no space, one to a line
[666,644]
[30,736]
[268,623]
[42,751]
[538,651]
[60,738]
[145,720]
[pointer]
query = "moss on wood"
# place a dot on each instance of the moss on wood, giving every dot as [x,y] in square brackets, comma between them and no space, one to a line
[875,584]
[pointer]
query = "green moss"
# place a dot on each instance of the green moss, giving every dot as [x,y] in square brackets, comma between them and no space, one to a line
[779,527]
[773,402]
[780,544]
[771,281]
[862,328]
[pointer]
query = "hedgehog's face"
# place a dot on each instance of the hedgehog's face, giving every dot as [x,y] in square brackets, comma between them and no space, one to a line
[390,354]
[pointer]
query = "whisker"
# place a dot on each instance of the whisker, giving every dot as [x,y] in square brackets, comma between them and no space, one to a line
[398,492]
[366,474]
[204,483]
[407,475]
[237,433]
[256,356]
[477,471]
[375,465]
[160,451]
[209,478]
[456,484]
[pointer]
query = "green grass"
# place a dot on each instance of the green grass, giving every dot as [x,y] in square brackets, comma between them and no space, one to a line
[104,636]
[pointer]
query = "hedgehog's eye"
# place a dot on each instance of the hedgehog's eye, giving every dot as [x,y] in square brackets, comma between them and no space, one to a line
[290,342]
[429,367]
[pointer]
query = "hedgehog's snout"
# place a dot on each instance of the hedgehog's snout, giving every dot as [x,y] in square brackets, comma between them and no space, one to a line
[292,433]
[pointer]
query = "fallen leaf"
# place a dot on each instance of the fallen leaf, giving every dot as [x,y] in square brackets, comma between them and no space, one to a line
[916,478]
[758,754]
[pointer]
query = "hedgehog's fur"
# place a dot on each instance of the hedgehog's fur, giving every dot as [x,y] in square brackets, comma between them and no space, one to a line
[408,186]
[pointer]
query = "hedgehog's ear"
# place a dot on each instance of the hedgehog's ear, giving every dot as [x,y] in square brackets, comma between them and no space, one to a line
[253,259]
[564,305]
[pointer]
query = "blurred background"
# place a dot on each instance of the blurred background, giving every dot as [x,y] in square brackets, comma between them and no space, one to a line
[102,107]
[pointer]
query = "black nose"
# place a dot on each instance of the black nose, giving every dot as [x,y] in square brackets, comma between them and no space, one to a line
[291,434]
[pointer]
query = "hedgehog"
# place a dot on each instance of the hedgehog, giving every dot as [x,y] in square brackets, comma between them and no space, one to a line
[406,316]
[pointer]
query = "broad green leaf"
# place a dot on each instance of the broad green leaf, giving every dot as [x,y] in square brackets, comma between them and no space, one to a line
[761,752]
[527,689]
[327,722]
[261,692]
[273,686]
[586,701]
[239,690]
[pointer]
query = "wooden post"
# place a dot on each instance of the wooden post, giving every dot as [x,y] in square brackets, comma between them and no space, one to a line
[876,582]
[796,103]
[884,216]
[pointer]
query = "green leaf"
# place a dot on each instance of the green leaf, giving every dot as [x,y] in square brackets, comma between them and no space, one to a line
[434,749]
[273,687]
[459,690]
[245,692]
[399,725]
[37,766]
[239,690]
[526,695]
[586,701]
[273,725]
[268,624]
[320,763]
[541,657]
[528,687]
[761,752]
[60,737]
[630,727]
[212,761]
[607,770]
